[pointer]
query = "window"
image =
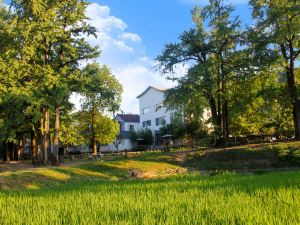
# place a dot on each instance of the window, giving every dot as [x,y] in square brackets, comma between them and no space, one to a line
[158,106]
[147,123]
[160,121]
[146,110]
[131,127]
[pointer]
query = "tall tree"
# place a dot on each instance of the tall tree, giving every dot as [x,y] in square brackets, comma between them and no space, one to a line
[50,47]
[277,32]
[101,94]
[213,55]
[69,133]
[97,128]
[225,38]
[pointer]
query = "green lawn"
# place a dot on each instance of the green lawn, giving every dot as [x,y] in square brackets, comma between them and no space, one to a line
[160,192]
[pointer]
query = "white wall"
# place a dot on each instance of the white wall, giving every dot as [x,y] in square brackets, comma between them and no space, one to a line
[127,126]
[150,99]
[125,145]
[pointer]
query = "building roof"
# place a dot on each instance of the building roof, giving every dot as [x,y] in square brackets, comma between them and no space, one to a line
[155,88]
[131,118]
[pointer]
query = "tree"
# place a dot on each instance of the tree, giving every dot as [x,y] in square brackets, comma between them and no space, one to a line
[276,32]
[118,141]
[41,48]
[101,93]
[146,135]
[214,58]
[69,132]
[97,128]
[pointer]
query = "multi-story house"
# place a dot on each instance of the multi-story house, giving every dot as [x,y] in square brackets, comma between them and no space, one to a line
[128,123]
[153,114]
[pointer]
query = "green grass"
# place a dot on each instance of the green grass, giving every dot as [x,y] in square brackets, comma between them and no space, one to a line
[185,199]
[161,192]
[248,157]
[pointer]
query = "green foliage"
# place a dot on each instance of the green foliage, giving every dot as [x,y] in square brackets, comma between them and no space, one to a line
[176,128]
[275,39]
[94,124]
[215,58]
[237,74]
[70,133]
[41,48]
[133,136]
[146,135]
[100,89]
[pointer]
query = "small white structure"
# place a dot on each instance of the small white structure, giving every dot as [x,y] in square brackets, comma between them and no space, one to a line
[153,114]
[128,123]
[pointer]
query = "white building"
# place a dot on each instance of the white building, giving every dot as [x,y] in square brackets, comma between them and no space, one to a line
[153,114]
[128,123]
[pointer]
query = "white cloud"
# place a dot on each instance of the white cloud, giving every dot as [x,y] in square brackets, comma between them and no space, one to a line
[102,20]
[131,37]
[124,53]
[122,46]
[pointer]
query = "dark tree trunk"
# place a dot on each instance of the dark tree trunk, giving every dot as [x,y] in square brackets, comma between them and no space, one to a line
[44,134]
[225,135]
[219,106]
[94,141]
[293,93]
[34,148]
[5,155]
[213,110]
[46,137]
[56,137]
[11,150]
[41,140]
[225,129]
[290,55]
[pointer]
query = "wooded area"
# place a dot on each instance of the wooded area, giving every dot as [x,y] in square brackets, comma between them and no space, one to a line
[246,76]
[42,54]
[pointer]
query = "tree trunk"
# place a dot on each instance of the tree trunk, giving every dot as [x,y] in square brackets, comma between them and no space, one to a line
[46,137]
[11,150]
[66,150]
[5,155]
[225,129]
[20,148]
[56,137]
[213,110]
[41,140]
[34,148]
[218,130]
[94,144]
[293,93]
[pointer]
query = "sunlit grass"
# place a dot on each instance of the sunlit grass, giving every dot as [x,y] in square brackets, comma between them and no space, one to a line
[106,192]
[184,199]
[117,168]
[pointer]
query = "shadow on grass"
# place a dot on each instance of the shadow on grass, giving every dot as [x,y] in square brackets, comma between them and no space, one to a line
[266,156]
[118,168]
[229,183]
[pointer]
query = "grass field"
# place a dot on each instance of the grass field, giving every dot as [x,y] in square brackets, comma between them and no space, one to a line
[184,199]
[160,192]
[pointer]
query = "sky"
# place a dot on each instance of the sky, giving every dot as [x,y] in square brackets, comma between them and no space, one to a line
[132,33]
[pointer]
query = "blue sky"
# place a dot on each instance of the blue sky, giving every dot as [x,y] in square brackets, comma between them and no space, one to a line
[161,21]
[131,33]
